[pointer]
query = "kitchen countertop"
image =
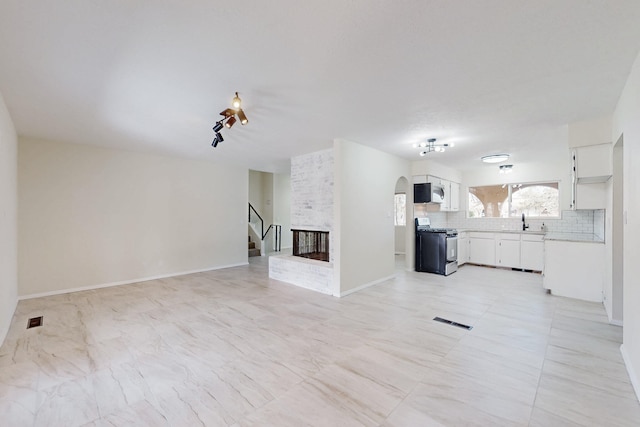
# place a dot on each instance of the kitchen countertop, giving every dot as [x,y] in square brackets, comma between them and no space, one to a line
[540,233]
[574,237]
[564,237]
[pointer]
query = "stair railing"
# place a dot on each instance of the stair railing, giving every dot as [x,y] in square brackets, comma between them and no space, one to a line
[277,229]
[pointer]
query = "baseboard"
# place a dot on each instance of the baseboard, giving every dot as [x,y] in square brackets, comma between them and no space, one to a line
[126,282]
[635,381]
[366,285]
[7,322]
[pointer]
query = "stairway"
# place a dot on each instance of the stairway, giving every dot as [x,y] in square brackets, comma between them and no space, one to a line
[253,251]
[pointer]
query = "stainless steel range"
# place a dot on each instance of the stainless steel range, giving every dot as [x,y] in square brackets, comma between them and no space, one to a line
[436,248]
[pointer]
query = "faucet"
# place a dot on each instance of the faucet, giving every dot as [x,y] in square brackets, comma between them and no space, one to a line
[524,225]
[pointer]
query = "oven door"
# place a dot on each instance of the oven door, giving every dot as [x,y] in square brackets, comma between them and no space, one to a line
[452,248]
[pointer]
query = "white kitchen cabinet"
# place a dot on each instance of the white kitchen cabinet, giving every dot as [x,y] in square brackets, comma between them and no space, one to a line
[435,180]
[419,179]
[574,269]
[594,163]
[454,191]
[482,248]
[508,250]
[532,252]
[463,247]
[591,167]
[445,206]
[451,201]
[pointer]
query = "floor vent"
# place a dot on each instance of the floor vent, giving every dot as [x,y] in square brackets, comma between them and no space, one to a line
[449,322]
[34,322]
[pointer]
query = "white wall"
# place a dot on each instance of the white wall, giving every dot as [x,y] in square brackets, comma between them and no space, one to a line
[92,216]
[430,167]
[282,207]
[626,123]
[8,220]
[364,191]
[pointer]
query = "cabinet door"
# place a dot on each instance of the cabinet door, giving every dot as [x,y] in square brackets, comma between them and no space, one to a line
[532,255]
[446,202]
[508,253]
[454,201]
[482,251]
[594,163]
[463,250]
[434,179]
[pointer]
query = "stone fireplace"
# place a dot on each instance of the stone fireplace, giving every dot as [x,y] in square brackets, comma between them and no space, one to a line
[311,244]
[310,264]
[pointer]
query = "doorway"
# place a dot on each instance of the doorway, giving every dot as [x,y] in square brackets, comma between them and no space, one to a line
[617,233]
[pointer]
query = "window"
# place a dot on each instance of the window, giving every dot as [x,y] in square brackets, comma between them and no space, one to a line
[513,200]
[400,218]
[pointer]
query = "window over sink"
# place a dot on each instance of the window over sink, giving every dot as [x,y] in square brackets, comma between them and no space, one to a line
[541,200]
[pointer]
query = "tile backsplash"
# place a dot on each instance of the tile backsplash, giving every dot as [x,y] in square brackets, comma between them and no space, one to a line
[579,221]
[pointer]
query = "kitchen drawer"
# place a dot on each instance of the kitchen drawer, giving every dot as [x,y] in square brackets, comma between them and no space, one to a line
[509,236]
[532,237]
[481,235]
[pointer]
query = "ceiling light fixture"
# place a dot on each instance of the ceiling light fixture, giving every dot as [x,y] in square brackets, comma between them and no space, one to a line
[506,168]
[494,158]
[236,102]
[242,117]
[230,121]
[431,145]
[229,118]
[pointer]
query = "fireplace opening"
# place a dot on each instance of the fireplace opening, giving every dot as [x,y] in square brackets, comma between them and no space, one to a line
[311,244]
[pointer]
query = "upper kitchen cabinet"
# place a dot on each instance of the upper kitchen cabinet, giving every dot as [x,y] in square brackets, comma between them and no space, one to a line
[594,163]
[454,192]
[591,167]
[451,202]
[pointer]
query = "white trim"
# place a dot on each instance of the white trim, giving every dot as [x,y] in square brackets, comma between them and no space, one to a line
[125,282]
[5,331]
[635,381]
[366,285]
[615,322]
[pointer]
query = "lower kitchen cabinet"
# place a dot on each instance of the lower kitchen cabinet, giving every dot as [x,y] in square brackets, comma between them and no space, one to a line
[532,252]
[463,248]
[508,250]
[482,248]
[574,269]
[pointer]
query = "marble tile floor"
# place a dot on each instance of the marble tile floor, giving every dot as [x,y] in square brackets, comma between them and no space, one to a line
[234,348]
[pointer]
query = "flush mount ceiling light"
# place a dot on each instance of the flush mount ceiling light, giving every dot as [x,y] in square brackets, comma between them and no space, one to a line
[228,119]
[506,168]
[430,145]
[494,158]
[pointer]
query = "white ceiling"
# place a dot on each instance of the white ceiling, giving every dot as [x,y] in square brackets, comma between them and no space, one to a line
[490,75]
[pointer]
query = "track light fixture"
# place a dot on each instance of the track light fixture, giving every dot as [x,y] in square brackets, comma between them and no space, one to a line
[242,117]
[430,145]
[230,121]
[236,102]
[229,118]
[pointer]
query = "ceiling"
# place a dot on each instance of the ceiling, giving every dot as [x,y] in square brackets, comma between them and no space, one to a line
[490,76]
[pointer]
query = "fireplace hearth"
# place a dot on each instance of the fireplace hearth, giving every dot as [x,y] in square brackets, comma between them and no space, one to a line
[311,244]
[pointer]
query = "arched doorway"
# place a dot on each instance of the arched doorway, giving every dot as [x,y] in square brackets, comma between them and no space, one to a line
[403,221]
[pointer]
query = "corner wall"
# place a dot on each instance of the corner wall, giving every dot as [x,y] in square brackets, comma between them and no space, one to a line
[364,206]
[93,217]
[626,123]
[8,220]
